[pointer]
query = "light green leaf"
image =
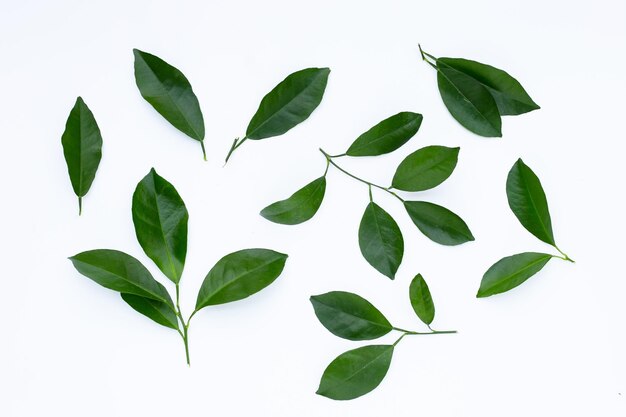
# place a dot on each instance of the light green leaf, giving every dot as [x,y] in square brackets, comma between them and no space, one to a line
[300,207]
[386,136]
[510,272]
[425,168]
[421,300]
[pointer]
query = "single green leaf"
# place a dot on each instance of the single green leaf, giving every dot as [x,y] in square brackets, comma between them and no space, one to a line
[421,300]
[438,223]
[425,168]
[356,372]
[290,103]
[350,316]
[510,96]
[120,272]
[528,202]
[239,275]
[386,136]
[380,240]
[469,102]
[300,207]
[160,219]
[153,309]
[510,272]
[82,147]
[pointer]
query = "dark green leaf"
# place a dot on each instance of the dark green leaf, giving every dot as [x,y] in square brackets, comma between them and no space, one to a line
[425,168]
[239,275]
[300,207]
[350,316]
[528,201]
[421,300]
[356,372]
[153,309]
[469,102]
[380,240]
[82,147]
[160,219]
[290,103]
[510,272]
[438,223]
[510,96]
[120,272]
[387,136]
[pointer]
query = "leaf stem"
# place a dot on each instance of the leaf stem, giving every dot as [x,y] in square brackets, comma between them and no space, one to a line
[203,150]
[185,333]
[80,206]
[236,143]
[564,257]
[409,333]
[426,54]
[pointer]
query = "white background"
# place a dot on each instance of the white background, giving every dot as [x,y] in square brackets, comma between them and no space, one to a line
[554,346]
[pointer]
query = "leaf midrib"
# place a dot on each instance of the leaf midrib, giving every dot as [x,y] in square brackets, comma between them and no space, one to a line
[534,207]
[158,213]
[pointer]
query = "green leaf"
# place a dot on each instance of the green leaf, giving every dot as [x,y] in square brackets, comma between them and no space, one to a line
[356,372]
[380,240]
[350,316]
[82,147]
[160,219]
[438,223]
[469,102]
[300,207]
[239,275]
[290,103]
[510,272]
[425,168]
[386,136]
[421,300]
[510,96]
[153,309]
[120,272]
[528,202]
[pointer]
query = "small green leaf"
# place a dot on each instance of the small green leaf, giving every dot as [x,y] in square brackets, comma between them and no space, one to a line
[356,372]
[425,168]
[386,136]
[153,309]
[160,219]
[380,240]
[510,272]
[421,300]
[350,316]
[438,223]
[82,147]
[120,272]
[300,207]
[239,275]
[528,201]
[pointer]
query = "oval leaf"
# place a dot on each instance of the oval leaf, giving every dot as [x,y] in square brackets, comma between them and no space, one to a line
[160,219]
[386,136]
[153,309]
[421,300]
[120,272]
[528,202]
[350,316]
[425,168]
[300,207]
[510,272]
[438,223]
[239,275]
[290,103]
[380,240]
[82,148]
[356,372]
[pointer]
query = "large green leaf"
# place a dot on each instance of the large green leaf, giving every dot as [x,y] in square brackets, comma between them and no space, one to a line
[510,272]
[239,275]
[438,223]
[350,316]
[386,136]
[290,103]
[421,300]
[120,272]
[528,201]
[380,240]
[155,310]
[160,219]
[300,207]
[425,168]
[356,372]
[82,147]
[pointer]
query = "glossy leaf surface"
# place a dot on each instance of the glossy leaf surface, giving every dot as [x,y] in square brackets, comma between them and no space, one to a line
[510,272]
[421,300]
[425,168]
[438,223]
[300,207]
[380,240]
[155,310]
[386,136]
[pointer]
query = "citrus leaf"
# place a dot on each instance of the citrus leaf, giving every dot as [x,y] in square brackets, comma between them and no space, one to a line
[425,168]
[300,206]
[386,136]
[438,223]
[155,310]
[510,272]
[380,240]
[421,300]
